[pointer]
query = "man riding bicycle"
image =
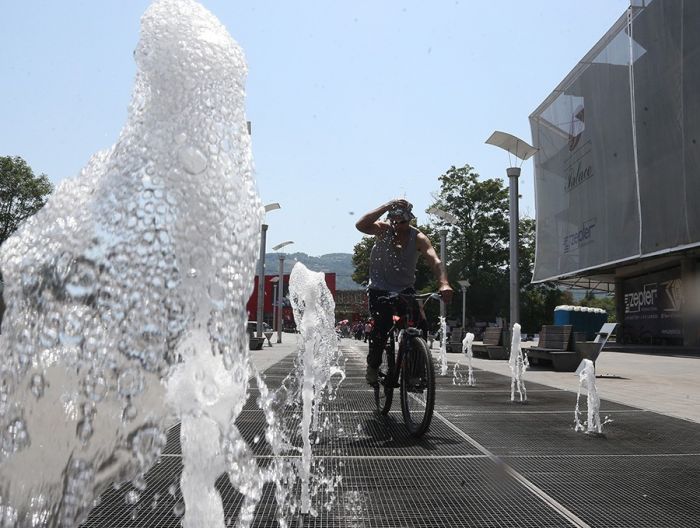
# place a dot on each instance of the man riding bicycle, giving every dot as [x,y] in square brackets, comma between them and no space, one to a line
[392,268]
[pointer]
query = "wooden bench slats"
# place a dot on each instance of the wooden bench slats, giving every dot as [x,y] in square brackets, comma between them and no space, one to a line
[492,345]
[556,345]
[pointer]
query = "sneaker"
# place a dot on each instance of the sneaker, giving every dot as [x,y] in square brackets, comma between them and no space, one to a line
[371,375]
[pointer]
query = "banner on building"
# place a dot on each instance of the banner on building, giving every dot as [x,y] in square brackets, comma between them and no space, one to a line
[616,173]
[654,307]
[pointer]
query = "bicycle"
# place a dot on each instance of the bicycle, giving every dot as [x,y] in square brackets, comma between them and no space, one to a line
[411,369]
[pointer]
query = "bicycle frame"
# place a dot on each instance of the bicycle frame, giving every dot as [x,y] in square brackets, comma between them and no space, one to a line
[406,333]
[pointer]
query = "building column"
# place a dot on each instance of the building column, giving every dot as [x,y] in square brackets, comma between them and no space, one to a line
[620,310]
[690,315]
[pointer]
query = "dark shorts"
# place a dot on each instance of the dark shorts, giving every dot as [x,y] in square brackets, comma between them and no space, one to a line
[382,311]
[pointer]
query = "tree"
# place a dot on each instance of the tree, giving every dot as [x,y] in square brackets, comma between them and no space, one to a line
[360,259]
[22,193]
[478,244]
[479,251]
[606,302]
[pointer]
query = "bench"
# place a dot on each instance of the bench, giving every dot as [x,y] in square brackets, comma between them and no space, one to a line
[556,345]
[256,343]
[493,345]
[454,343]
[591,349]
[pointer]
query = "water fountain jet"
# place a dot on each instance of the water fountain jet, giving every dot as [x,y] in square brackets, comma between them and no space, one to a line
[518,366]
[458,377]
[126,294]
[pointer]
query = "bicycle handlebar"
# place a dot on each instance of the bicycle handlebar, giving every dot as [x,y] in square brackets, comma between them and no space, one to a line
[391,296]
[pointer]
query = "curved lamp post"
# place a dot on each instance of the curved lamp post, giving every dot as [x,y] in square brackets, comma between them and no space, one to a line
[280,288]
[522,150]
[261,270]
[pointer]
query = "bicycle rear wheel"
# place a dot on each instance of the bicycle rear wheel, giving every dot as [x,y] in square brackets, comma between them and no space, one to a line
[417,387]
[384,391]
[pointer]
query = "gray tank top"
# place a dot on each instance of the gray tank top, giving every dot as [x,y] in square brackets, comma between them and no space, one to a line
[393,268]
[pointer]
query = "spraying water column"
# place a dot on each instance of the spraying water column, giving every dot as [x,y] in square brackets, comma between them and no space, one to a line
[126,295]
[318,355]
[518,365]
[586,375]
[457,376]
[443,346]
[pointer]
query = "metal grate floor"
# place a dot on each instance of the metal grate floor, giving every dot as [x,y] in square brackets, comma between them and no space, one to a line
[485,462]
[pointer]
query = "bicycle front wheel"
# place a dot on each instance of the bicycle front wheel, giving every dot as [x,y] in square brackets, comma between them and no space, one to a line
[417,387]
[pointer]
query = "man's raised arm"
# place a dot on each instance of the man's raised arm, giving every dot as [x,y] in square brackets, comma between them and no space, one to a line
[425,247]
[368,222]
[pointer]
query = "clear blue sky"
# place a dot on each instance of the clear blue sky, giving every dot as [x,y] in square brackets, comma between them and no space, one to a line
[353,102]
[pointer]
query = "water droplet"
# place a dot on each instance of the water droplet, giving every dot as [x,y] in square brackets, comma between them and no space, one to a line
[130,382]
[217,295]
[84,430]
[139,483]
[146,445]
[37,385]
[129,413]
[179,509]
[81,280]
[132,497]
[193,160]
[16,436]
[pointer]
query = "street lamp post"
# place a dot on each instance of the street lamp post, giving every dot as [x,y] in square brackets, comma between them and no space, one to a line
[520,149]
[261,271]
[464,285]
[280,288]
[274,281]
[443,256]
[452,220]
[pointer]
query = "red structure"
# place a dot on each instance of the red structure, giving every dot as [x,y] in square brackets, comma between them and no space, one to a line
[287,316]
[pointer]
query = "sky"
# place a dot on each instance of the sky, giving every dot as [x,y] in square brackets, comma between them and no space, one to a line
[352,102]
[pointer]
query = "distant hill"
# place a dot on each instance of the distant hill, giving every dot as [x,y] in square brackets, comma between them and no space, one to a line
[338,263]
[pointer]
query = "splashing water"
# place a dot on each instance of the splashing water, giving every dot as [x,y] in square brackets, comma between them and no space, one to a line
[586,376]
[443,346]
[126,296]
[457,376]
[318,354]
[518,366]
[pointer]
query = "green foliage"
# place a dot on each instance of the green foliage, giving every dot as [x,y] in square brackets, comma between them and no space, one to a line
[607,303]
[537,303]
[21,193]
[478,244]
[360,259]
[478,251]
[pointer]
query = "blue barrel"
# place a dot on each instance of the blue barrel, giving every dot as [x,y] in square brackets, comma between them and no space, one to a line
[587,322]
[562,316]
